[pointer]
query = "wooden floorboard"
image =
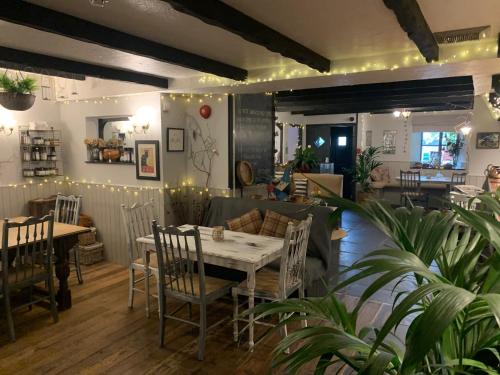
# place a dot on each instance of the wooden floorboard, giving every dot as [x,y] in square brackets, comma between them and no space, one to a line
[100,335]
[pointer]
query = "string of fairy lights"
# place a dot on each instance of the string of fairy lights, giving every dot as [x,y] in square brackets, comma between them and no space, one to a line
[184,186]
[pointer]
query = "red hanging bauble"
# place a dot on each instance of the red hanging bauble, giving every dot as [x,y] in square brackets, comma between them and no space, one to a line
[205,111]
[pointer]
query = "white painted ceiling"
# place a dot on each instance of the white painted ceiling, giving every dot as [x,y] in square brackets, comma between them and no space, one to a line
[337,29]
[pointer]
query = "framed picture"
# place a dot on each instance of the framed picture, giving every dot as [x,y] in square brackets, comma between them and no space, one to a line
[490,140]
[389,145]
[175,140]
[147,160]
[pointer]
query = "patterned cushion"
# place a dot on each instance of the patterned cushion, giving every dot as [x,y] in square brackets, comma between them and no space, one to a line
[251,222]
[300,186]
[275,224]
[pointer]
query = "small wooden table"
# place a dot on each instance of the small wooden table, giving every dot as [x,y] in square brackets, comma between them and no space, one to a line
[239,251]
[65,238]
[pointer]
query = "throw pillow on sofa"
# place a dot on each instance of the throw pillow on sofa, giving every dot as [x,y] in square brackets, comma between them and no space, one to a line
[251,222]
[275,224]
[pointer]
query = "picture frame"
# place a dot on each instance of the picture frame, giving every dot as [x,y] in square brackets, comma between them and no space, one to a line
[488,140]
[389,142]
[175,140]
[147,160]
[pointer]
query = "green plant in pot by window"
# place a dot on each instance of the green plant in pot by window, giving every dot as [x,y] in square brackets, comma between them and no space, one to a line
[454,144]
[17,92]
[453,307]
[366,162]
[305,160]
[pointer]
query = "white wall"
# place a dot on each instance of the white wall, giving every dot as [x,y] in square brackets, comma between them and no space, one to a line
[76,117]
[482,121]
[10,156]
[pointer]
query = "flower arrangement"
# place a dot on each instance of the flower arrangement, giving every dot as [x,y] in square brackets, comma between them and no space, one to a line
[94,142]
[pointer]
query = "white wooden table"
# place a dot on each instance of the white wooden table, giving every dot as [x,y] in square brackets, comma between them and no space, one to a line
[239,251]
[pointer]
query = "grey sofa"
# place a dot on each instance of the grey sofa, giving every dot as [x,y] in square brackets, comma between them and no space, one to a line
[322,253]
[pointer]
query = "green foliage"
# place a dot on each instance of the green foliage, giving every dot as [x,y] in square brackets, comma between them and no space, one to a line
[305,160]
[18,85]
[453,305]
[366,162]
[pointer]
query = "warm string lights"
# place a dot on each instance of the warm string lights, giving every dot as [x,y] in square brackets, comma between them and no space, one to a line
[493,106]
[450,53]
[185,185]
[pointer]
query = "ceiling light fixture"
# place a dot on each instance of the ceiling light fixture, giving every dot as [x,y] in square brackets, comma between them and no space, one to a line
[404,114]
[98,3]
[140,122]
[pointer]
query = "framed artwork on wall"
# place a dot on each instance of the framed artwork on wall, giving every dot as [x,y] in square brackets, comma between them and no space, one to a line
[175,140]
[389,145]
[488,140]
[147,160]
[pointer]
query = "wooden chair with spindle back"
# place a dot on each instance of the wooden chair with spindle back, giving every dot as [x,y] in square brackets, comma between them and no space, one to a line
[178,252]
[410,186]
[273,285]
[27,253]
[67,211]
[137,220]
[457,179]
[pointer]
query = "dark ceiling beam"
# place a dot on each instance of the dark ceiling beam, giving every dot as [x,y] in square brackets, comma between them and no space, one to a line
[39,61]
[413,22]
[416,86]
[495,83]
[360,97]
[37,70]
[427,108]
[37,17]
[217,13]
[347,107]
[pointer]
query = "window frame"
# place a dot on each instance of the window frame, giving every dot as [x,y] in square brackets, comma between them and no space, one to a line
[440,145]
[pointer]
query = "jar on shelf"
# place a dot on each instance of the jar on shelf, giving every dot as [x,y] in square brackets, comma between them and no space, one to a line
[28,172]
[26,154]
[43,154]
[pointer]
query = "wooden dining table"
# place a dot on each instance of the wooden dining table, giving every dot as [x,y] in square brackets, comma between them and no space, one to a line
[238,251]
[64,239]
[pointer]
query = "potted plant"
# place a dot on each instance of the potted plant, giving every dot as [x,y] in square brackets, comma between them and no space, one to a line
[305,160]
[366,162]
[453,306]
[18,92]
[454,144]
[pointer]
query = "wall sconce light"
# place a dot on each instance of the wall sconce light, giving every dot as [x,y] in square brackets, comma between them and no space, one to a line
[7,123]
[141,121]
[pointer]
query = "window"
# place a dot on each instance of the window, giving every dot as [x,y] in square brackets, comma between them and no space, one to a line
[433,147]
[342,141]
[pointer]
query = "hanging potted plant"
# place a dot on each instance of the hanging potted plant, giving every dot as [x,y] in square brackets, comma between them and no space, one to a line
[17,92]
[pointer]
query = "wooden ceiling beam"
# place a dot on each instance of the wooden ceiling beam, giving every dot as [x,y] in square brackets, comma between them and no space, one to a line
[37,17]
[219,14]
[413,22]
[459,105]
[37,70]
[39,61]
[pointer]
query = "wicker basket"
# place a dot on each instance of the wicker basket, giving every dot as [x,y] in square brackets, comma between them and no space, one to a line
[87,238]
[92,253]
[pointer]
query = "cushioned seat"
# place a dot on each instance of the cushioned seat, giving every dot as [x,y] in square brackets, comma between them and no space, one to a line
[38,272]
[212,285]
[266,282]
[153,261]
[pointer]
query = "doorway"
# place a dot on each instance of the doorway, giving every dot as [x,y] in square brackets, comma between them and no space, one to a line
[338,143]
[343,154]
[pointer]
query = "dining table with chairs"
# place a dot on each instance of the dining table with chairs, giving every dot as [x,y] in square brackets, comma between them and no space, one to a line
[176,249]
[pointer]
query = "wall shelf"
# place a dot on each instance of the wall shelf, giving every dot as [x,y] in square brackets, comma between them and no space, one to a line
[112,162]
[35,158]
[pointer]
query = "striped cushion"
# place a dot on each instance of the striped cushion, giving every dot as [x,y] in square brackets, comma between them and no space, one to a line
[300,186]
[251,222]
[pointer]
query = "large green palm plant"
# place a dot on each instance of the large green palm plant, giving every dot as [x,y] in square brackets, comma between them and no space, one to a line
[454,304]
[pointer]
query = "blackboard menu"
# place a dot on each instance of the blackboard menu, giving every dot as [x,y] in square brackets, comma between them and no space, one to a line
[254,134]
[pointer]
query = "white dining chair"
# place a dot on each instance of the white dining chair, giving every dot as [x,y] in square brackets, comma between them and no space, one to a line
[274,285]
[137,221]
[67,211]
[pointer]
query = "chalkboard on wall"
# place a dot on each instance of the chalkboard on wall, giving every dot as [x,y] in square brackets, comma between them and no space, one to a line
[254,134]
